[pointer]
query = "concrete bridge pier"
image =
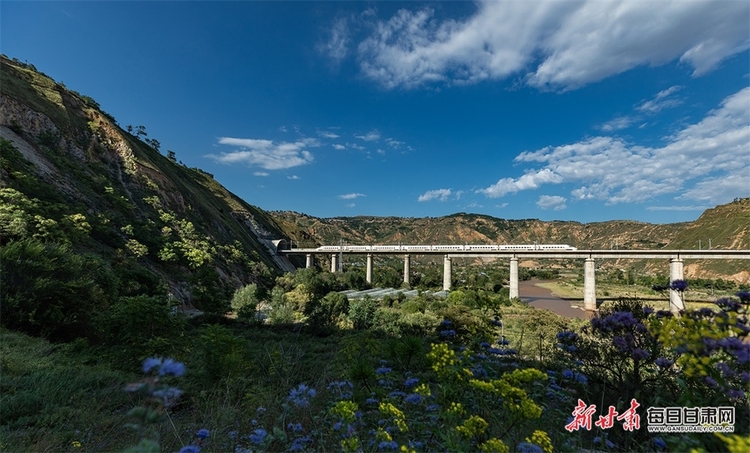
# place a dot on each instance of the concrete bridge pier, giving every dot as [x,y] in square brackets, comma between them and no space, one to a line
[368,276]
[589,285]
[407,269]
[446,273]
[308,260]
[676,302]
[513,280]
[334,262]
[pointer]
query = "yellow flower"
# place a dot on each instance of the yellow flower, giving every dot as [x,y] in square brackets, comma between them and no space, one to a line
[542,439]
[494,446]
[472,426]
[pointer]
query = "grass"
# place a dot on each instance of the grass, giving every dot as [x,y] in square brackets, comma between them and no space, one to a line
[50,397]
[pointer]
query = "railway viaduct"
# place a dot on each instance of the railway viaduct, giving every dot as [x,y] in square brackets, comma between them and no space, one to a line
[674,257]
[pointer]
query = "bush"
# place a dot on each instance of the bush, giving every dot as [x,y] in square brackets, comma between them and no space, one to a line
[324,314]
[362,313]
[281,311]
[140,326]
[245,302]
[48,290]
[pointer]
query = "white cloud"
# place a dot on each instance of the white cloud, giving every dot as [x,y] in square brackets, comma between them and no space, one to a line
[552,44]
[662,100]
[528,181]
[260,173]
[338,147]
[371,136]
[337,45]
[439,194]
[393,143]
[677,208]
[712,156]
[619,123]
[327,134]
[355,146]
[351,196]
[350,205]
[266,154]
[551,202]
[293,177]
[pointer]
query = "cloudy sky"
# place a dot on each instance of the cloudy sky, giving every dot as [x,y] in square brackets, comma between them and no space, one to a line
[558,110]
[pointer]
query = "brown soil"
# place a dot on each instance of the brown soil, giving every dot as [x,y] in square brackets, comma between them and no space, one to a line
[539,297]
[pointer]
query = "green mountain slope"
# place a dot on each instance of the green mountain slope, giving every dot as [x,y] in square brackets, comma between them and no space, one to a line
[73,179]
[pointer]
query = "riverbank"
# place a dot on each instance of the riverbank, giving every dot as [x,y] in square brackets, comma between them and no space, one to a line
[538,296]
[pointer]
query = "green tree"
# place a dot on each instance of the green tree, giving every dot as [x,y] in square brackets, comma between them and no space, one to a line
[282,311]
[362,313]
[323,314]
[245,302]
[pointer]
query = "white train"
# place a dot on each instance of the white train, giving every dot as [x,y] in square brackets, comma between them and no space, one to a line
[441,248]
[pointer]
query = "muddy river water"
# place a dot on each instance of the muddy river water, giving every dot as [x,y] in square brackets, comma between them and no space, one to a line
[540,297]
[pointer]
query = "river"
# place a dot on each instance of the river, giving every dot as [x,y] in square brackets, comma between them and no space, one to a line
[539,297]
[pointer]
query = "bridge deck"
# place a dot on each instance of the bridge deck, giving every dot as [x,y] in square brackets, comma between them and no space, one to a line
[552,254]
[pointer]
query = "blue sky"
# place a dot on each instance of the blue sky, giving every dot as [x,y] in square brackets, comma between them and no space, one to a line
[585,111]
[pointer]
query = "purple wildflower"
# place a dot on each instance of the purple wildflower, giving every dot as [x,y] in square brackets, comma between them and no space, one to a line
[258,436]
[151,363]
[299,395]
[678,285]
[620,343]
[526,447]
[412,381]
[663,362]
[728,304]
[413,398]
[388,445]
[171,367]
[735,393]
[202,433]
[168,396]
[640,354]
[659,443]
[190,449]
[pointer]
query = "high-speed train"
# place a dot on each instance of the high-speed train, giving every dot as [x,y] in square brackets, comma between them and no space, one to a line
[446,248]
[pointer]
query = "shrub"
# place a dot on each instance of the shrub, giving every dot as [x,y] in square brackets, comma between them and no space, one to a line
[362,313]
[245,302]
[48,290]
[325,313]
[141,325]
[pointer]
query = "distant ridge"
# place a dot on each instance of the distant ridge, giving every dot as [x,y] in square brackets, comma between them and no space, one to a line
[728,226]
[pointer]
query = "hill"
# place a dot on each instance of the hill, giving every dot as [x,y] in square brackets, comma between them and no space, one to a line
[75,185]
[728,226]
